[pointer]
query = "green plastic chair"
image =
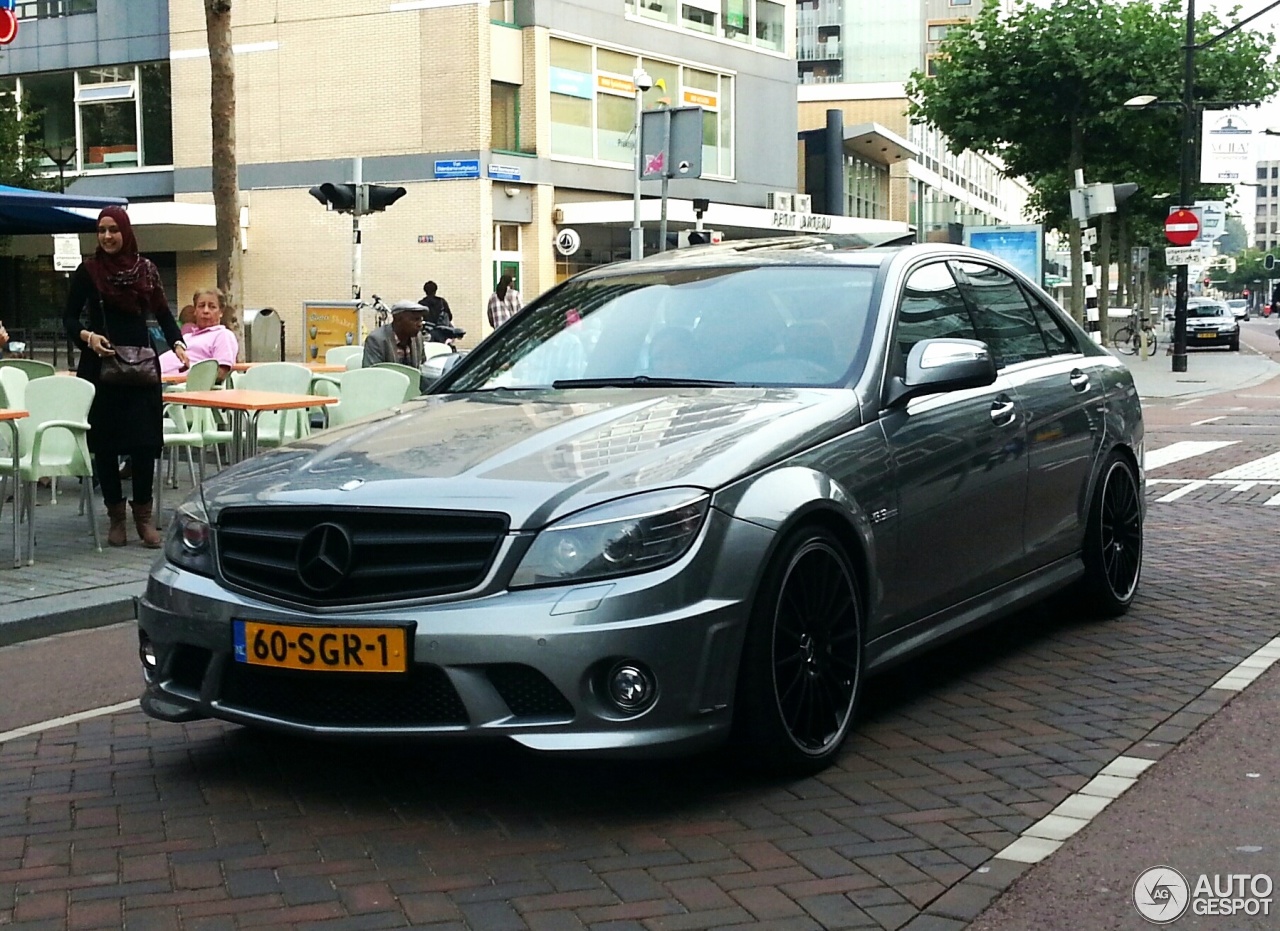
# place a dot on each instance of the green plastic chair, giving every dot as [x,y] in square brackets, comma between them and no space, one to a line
[13,388]
[367,391]
[342,355]
[53,443]
[414,387]
[186,428]
[33,367]
[276,428]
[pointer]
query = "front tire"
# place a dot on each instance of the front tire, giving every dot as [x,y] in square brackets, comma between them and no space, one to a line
[1123,341]
[1113,540]
[802,661]
[1235,344]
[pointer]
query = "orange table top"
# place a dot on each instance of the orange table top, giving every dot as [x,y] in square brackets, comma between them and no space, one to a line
[313,366]
[242,399]
[14,414]
[174,378]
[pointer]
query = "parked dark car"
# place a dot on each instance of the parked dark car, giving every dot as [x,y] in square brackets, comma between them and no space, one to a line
[671,503]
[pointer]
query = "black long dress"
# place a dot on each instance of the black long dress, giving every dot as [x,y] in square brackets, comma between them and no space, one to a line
[123,418]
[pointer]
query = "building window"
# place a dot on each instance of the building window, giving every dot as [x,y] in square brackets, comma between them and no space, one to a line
[593,104]
[1262,174]
[117,116]
[662,10]
[938,33]
[770,19]
[1275,171]
[737,20]
[962,2]
[47,9]
[504,117]
[696,17]
[502,11]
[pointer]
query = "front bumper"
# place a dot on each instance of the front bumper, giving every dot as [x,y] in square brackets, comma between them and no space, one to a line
[1211,338]
[528,665]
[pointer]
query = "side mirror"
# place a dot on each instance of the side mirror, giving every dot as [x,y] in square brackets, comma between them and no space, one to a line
[937,365]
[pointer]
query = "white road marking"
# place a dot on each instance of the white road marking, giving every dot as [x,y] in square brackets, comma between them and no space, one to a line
[66,719]
[1201,423]
[1244,486]
[1189,403]
[1272,502]
[1185,449]
[1047,835]
[1184,490]
[1268,467]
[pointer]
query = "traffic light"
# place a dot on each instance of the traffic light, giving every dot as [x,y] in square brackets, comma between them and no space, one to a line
[1245,295]
[382,196]
[1269,261]
[339,197]
[361,199]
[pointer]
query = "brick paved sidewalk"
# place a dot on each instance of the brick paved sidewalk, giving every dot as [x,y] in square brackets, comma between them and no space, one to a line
[71,586]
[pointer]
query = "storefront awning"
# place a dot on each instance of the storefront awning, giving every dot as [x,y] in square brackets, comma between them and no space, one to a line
[23,210]
[736,222]
[162,226]
[875,143]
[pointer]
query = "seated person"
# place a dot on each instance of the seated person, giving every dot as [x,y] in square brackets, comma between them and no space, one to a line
[209,340]
[187,319]
[4,340]
[400,340]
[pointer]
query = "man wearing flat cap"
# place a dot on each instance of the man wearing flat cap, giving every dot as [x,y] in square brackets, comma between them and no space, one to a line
[398,341]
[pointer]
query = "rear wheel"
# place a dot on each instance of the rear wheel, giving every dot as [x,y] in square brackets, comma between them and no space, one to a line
[1124,341]
[1113,540]
[802,661]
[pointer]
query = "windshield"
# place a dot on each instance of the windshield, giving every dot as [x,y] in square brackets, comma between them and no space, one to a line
[764,325]
[1206,310]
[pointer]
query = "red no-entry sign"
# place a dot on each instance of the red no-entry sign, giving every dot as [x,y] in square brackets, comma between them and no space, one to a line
[1182,227]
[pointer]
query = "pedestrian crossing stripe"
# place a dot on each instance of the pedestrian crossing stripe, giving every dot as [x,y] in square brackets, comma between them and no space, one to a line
[1195,484]
[1268,467]
[1185,449]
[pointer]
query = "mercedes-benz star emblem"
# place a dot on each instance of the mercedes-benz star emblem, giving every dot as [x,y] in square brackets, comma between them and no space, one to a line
[324,557]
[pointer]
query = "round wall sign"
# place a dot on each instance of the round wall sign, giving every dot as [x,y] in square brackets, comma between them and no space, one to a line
[568,241]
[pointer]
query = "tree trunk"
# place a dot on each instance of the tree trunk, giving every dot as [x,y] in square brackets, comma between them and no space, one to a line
[1102,260]
[226,185]
[1075,162]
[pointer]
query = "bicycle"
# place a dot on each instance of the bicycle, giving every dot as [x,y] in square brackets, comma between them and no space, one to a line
[1128,340]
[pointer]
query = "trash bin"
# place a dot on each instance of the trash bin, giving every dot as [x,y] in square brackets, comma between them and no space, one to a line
[263,336]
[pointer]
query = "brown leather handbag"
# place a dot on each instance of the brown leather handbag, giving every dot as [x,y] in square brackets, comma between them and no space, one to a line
[134,366]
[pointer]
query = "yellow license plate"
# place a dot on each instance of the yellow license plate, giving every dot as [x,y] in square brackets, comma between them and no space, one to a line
[1207,335]
[326,649]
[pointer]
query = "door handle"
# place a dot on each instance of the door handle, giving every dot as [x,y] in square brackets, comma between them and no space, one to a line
[1079,380]
[1003,412]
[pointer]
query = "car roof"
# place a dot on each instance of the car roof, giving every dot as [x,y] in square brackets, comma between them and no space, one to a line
[807,250]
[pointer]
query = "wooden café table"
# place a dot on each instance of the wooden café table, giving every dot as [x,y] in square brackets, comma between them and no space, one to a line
[11,417]
[245,406]
[315,367]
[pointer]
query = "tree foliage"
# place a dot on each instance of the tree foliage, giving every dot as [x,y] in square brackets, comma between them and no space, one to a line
[1042,88]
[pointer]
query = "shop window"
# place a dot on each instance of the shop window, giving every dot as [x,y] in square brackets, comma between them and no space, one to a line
[571,126]
[504,112]
[770,23]
[615,62]
[109,134]
[615,119]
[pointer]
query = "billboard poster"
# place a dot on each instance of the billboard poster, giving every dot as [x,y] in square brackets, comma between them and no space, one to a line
[328,324]
[1226,147]
[1019,246]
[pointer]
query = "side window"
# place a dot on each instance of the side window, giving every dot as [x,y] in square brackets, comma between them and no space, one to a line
[1004,319]
[1056,335]
[931,307]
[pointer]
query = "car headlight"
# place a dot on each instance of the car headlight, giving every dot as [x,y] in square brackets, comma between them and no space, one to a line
[1228,327]
[189,540]
[623,537]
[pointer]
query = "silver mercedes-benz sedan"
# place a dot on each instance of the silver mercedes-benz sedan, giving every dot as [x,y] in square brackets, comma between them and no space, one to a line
[674,502]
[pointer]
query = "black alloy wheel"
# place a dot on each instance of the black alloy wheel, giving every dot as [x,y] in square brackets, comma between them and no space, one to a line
[1113,539]
[802,664]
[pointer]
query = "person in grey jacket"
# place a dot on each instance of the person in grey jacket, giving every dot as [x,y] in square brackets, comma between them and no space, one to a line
[398,341]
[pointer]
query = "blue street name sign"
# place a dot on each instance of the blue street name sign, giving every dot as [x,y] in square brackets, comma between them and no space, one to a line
[458,168]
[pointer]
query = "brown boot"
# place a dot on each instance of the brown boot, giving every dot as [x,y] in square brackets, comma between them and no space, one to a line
[116,532]
[145,526]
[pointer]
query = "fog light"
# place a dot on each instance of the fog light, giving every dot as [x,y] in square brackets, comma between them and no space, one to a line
[147,656]
[631,687]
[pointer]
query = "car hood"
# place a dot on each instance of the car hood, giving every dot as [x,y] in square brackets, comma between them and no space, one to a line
[537,455]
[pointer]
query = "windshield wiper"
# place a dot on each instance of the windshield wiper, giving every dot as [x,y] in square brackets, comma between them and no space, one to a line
[640,381]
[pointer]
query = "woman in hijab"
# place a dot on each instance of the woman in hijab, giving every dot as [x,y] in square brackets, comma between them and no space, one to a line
[112,294]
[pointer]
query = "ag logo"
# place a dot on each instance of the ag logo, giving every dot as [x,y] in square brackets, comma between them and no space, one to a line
[1161,894]
[568,241]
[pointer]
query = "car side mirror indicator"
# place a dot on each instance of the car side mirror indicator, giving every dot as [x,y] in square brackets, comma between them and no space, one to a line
[944,364]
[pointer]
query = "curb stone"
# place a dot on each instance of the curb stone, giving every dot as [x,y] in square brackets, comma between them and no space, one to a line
[57,614]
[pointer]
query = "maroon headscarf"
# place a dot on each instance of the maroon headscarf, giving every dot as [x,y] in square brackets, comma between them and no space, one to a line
[125,279]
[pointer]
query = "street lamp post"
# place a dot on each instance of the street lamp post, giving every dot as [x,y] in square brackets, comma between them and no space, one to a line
[62,156]
[642,82]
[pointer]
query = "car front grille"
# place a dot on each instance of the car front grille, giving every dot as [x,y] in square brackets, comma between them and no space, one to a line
[423,697]
[381,554]
[528,693]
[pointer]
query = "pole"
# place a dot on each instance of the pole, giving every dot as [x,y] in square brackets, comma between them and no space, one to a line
[637,232]
[1184,189]
[666,165]
[357,179]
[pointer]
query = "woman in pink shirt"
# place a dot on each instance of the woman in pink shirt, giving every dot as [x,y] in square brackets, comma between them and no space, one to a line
[209,340]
